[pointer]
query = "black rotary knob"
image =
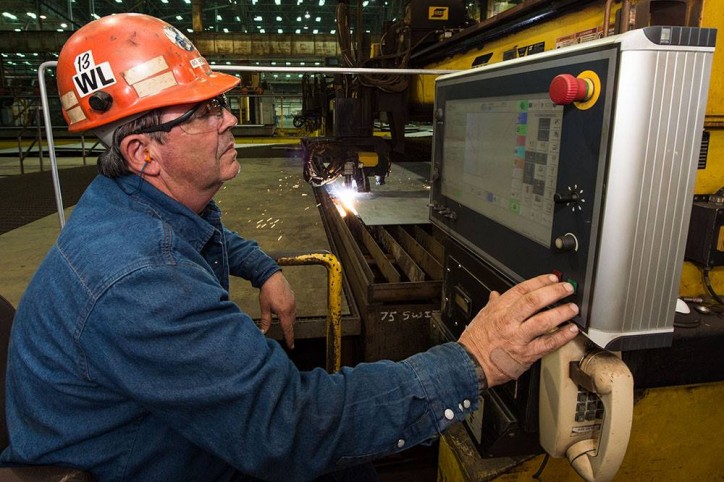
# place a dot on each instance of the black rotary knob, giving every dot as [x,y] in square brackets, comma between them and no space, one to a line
[567,242]
[569,197]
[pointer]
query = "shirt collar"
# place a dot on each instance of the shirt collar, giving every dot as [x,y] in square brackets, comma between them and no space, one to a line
[195,228]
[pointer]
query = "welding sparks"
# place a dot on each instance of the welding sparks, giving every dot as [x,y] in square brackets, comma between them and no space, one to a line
[346,198]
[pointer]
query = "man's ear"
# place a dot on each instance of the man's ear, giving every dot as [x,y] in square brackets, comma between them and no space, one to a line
[136,149]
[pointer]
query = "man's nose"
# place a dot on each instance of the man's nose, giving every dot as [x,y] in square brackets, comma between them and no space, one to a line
[229,120]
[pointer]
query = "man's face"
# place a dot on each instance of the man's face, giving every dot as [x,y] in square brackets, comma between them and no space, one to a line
[199,153]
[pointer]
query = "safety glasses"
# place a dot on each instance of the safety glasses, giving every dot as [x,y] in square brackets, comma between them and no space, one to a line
[204,117]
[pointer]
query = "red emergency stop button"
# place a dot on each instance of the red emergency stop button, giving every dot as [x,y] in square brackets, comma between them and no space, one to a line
[566,89]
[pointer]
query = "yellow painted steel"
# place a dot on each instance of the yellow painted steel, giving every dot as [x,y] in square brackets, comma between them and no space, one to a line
[676,436]
[708,180]
[368,158]
[711,179]
[334,300]
[591,16]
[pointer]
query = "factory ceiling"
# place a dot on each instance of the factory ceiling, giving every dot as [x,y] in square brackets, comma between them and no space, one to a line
[254,32]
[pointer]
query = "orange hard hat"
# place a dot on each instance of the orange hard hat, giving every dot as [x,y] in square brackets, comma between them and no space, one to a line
[126,64]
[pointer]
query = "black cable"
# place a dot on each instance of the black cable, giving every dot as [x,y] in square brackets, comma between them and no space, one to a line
[710,288]
[542,467]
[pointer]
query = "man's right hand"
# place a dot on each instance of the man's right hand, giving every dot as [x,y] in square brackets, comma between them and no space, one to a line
[511,332]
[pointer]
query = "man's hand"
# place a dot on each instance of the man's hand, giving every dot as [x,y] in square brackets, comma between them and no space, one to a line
[510,333]
[276,296]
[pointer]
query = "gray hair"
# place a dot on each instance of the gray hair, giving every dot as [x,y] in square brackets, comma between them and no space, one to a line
[112,163]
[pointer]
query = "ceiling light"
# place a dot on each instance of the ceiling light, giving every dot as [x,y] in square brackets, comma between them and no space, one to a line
[64,25]
[261,30]
[32,15]
[190,30]
[273,63]
[164,1]
[318,19]
[306,15]
[60,30]
[288,63]
[289,75]
[95,15]
[187,1]
[253,2]
[218,17]
[277,2]
[10,16]
[20,55]
[321,3]
[365,3]
[279,19]
[301,63]
[226,30]
[258,18]
[316,63]
[179,17]
[237,18]
[298,31]
[299,19]
[280,31]
[333,31]
[43,17]
[315,31]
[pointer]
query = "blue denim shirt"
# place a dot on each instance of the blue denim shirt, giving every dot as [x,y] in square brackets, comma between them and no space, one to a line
[128,359]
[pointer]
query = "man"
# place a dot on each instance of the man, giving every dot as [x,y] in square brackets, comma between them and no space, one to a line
[128,359]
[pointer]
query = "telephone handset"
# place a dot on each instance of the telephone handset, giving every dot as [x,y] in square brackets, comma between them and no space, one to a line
[586,408]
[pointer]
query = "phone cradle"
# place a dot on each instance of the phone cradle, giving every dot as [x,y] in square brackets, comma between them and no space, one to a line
[586,408]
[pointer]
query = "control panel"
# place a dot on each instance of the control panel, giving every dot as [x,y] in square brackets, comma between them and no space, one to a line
[576,162]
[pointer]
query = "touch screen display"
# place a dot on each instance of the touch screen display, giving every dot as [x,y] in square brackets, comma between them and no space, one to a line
[501,159]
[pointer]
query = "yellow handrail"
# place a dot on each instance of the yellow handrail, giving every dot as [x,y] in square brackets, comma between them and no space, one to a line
[334,300]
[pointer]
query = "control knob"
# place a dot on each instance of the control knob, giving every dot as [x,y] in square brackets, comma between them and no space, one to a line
[567,242]
[570,197]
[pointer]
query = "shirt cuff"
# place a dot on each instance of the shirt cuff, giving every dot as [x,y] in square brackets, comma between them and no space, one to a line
[479,372]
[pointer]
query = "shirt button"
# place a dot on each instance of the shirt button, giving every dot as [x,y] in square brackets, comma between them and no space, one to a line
[400,443]
[449,414]
[466,403]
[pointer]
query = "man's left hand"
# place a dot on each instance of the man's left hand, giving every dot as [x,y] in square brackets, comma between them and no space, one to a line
[276,296]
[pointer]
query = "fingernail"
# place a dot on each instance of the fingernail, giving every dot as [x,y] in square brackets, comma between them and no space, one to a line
[573,307]
[553,277]
[568,287]
[573,328]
